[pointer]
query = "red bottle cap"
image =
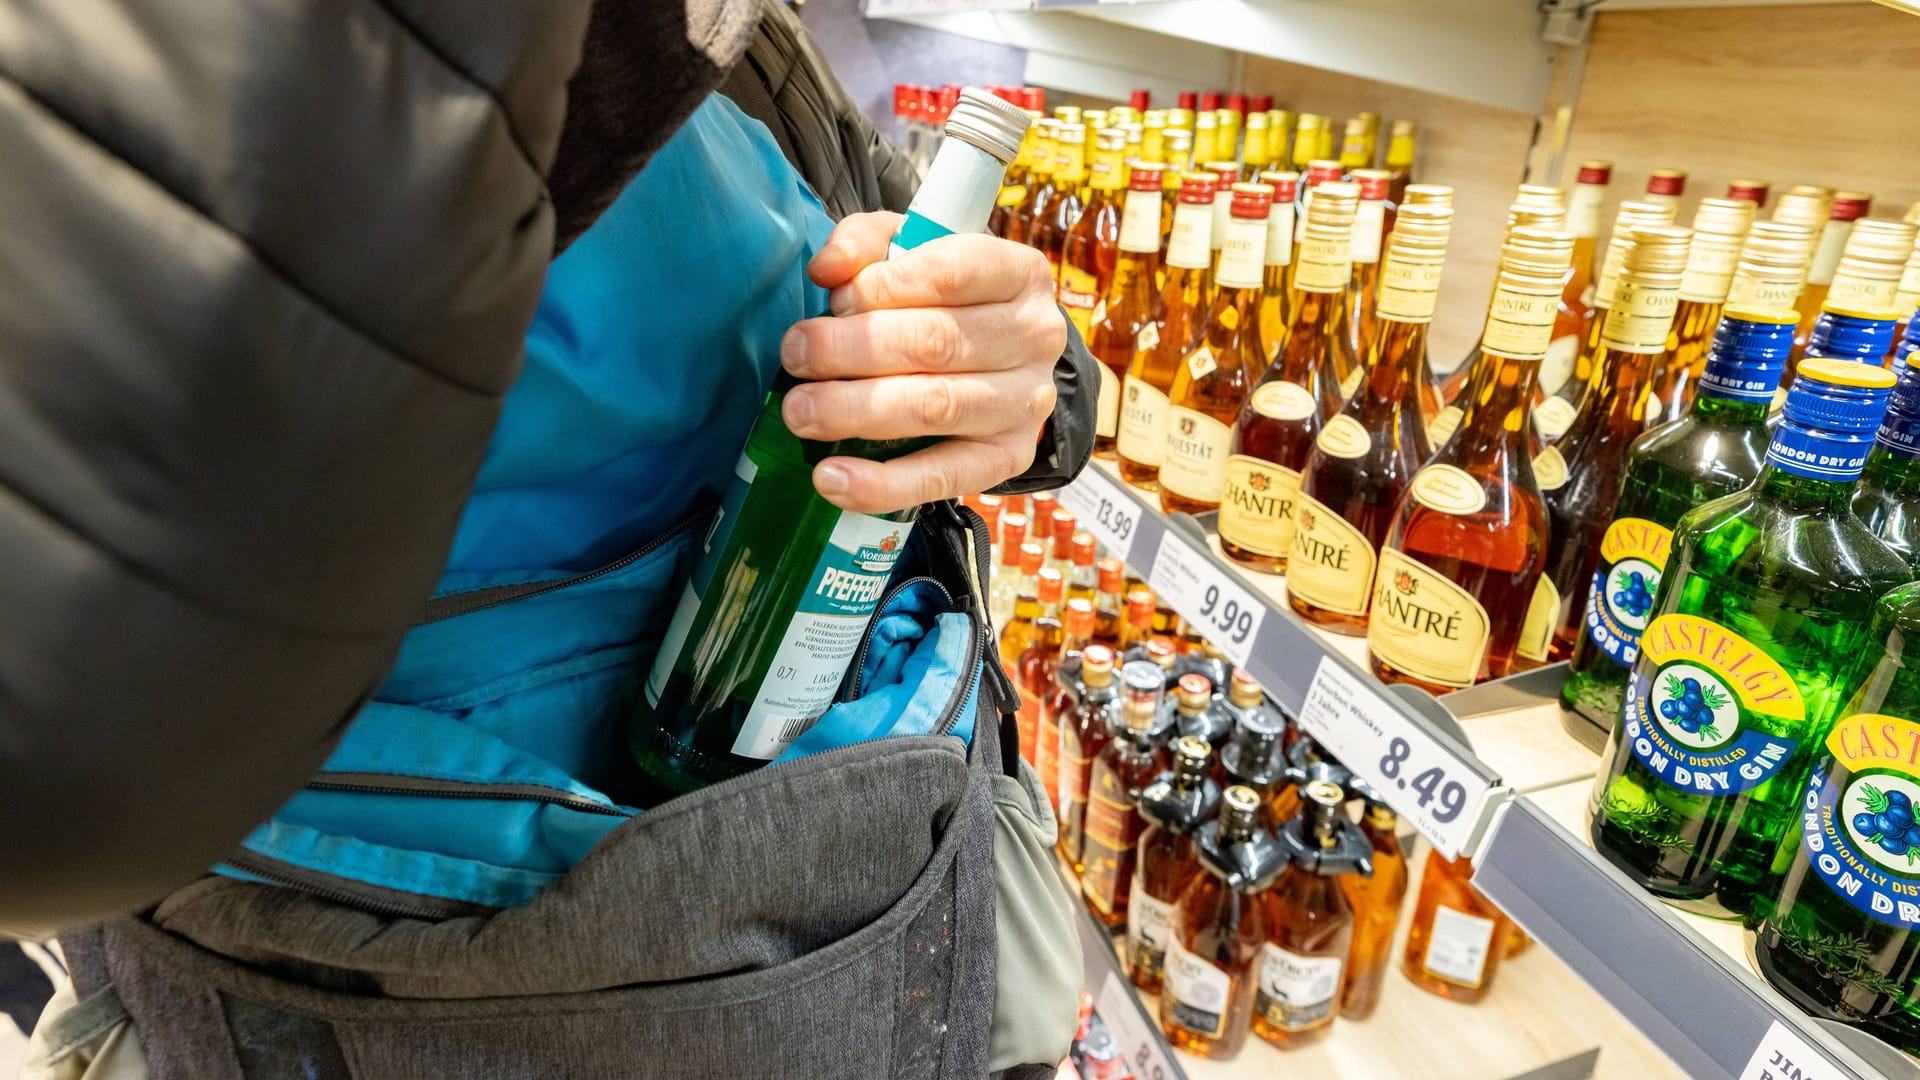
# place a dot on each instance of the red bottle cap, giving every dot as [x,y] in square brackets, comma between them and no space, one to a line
[1051,585]
[1084,549]
[1670,182]
[1189,100]
[1146,177]
[1195,683]
[1080,617]
[1262,103]
[903,98]
[1032,555]
[1753,191]
[1595,172]
[1043,504]
[1210,101]
[1013,533]
[1321,172]
[1160,650]
[949,99]
[1140,100]
[1113,574]
[1285,185]
[1065,522]
[1373,187]
[1197,188]
[1850,205]
[1033,98]
[1251,200]
[1238,103]
[1140,606]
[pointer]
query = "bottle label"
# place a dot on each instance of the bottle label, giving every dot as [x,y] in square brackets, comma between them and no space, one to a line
[1280,235]
[1070,164]
[1709,274]
[1241,258]
[1726,377]
[1351,383]
[1111,820]
[1424,624]
[1550,469]
[1079,291]
[1692,702]
[1583,209]
[1457,948]
[1076,774]
[1140,223]
[1012,195]
[1143,421]
[1296,992]
[1344,437]
[1222,216]
[1872,294]
[1520,324]
[1633,553]
[1816,454]
[1282,400]
[1771,292]
[1257,507]
[1197,992]
[1826,257]
[1149,923]
[1200,363]
[711,548]
[1331,564]
[1148,338]
[1557,368]
[1640,317]
[1325,264]
[1907,297]
[915,229]
[1409,290]
[1449,489]
[1609,280]
[1543,614]
[1369,223]
[1106,422]
[1859,830]
[825,631]
[1445,423]
[1195,465]
[1190,246]
[1552,417]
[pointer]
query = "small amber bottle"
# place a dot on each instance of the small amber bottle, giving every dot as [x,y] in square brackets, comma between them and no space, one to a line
[1376,904]
[1309,923]
[1139,625]
[1256,758]
[1123,769]
[1454,945]
[1085,728]
[1219,926]
[1174,805]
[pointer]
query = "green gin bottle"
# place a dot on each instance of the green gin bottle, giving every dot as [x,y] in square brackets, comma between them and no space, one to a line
[787,582]
[1888,498]
[1715,450]
[1842,938]
[1765,604]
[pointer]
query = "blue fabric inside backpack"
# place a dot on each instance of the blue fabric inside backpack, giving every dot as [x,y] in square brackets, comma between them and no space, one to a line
[476,773]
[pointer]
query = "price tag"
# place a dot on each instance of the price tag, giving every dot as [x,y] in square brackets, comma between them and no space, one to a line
[1110,515]
[1208,597]
[1784,1055]
[1133,1032]
[1424,782]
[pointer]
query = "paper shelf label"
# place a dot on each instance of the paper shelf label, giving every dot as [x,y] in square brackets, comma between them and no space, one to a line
[1784,1055]
[1207,596]
[1425,782]
[1136,1035]
[1105,511]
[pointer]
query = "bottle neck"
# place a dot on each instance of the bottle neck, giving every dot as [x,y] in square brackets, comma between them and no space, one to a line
[1894,468]
[1317,317]
[1806,494]
[1714,409]
[1393,361]
[1617,391]
[1495,424]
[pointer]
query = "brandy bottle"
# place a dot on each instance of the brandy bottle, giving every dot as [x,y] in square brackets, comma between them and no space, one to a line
[1126,305]
[1579,476]
[1091,249]
[1719,228]
[1212,382]
[1276,300]
[1844,210]
[1126,765]
[1165,340]
[1454,944]
[1219,925]
[1459,571]
[1309,921]
[1109,606]
[1040,189]
[1280,418]
[1042,672]
[1556,410]
[1038,637]
[1376,902]
[1050,228]
[1142,606]
[1013,190]
[1225,175]
[1584,205]
[1369,233]
[1007,576]
[1174,805]
[1364,458]
[1085,728]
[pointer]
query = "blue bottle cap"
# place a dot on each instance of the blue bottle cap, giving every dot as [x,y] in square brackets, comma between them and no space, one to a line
[1911,339]
[1748,353]
[1852,334]
[1831,408]
[1900,430]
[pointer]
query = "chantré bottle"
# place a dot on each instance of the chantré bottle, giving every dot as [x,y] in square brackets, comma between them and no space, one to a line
[1126,307]
[1363,284]
[1367,454]
[1219,926]
[1276,298]
[1085,729]
[1126,765]
[1719,229]
[787,583]
[1179,311]
[1309,921]
[1174,805]
[1557,410]
[1460,569]
[1715,450]
[1765,601]
[1454,942]
[1844,210]
[1376,901]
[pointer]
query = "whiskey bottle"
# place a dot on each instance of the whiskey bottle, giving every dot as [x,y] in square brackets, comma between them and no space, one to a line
[1557,410]
[1716,450]
[1666,187]
[1366,455]
[1376,902]
[1218,928]
[1579,476]
[1225,175]
[1142,606]
[1212,381]
[1400,156]
[1452,943]
[1765,600]
[1309,921]
[1126,307]
[1459,573]
[1110,606]
[1278,421]
[1841,940]
[1887,500]
[788,583]
[1165,339]
[1174,805]
[1276,299]
[1256,759]
[1126,765]
[1085,729]
[1046,675]
[1007,576]
[1584,205]
[1369,233]
[1029,643]
[1052,224]
[1091,251]
[1719,228]
[1040,190]
[1194,712]
[1845,208]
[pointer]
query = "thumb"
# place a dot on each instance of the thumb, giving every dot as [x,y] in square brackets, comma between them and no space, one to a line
[857,242]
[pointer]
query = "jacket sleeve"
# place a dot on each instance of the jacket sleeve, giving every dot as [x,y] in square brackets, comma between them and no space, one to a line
[265,280]
[1066,442]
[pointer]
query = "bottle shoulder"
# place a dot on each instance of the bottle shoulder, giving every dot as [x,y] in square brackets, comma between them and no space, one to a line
[1743,540]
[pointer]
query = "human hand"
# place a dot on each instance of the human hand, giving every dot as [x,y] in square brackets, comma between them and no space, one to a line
[957,337]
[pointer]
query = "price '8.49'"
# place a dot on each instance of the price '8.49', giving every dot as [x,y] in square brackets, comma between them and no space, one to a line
[1229,618]
[1431,784]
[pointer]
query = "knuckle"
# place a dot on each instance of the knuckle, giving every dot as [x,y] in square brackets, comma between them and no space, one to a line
[1039,271]
[940,406]
[941,345]
[946,272]
[1041,402]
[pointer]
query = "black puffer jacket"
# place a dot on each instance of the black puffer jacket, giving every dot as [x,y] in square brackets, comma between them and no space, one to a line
[265,276]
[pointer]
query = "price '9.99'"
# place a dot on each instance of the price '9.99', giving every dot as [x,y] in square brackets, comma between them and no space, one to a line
[1431,784]
[1232,621]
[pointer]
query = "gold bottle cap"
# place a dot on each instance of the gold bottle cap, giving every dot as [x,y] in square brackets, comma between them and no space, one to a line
[1161,653]
[1178,139]
[1110,139]
[1192,751]
[1137,715]
[1420,234]
[1180,118]
[1154,118]
[1239,801]
[1656,251]
[1334,206]
[1777,245]
[1533,255]
[1096,666]
[1806,206]
[1769,316]
[1094,119]
[1724,217]
[1635,213]
[1428,195]
[1324,793]
[1122,115]
[1067,132]
[1538,217]
[1259,121]
[1876,245]
[1243,692]
[1539,195]
[1067,114]
[1205,119]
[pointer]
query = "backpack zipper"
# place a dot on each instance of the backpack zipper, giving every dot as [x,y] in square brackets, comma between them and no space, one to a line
[866,642]
[396,784]
[427,911]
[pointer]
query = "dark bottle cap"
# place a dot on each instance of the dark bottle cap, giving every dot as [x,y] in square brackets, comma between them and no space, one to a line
[1143,677]
[1183,799]
[1233,848]
[1322,839]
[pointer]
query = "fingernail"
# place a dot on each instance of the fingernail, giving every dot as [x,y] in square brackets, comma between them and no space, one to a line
[798,409]
[830,479]
[793,351]
[840,300]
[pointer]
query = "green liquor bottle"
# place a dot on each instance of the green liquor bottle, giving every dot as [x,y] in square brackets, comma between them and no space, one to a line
[1764,604]
[1843,937]
[1888,498]
[787,582]
[1715,450]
